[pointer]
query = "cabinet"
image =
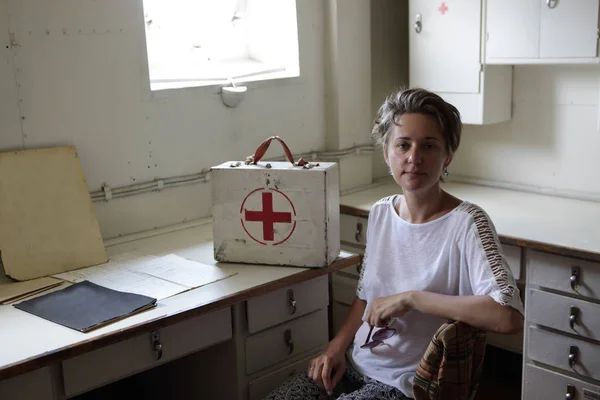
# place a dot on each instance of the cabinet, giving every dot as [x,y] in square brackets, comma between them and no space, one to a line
[445,41]
[88,371]
[541,31]
[353,236]
[562,330]
[278,333]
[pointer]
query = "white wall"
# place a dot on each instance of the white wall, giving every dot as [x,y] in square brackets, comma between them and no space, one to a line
[551,143]
[82,79]
[349,69]
[90,89]
[348,86]
[389,60]
[10,124]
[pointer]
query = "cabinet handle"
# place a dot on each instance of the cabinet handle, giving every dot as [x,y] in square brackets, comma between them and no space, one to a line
[573,316]
[287,337]
[358,234]
[573,350]
[291,301]
[418,24]
[156,344]
[570,392]
[551,3]
[575,276]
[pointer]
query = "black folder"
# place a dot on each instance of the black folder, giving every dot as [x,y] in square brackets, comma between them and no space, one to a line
[85,306]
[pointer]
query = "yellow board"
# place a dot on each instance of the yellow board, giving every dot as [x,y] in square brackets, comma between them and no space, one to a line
[47,220]
[15,291]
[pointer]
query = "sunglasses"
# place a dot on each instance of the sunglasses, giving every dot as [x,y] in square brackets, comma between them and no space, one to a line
[378,337]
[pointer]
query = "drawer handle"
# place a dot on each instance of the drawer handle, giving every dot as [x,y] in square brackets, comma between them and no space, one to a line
[570,392]
[575,275]
[573,350]
[287,337]
[156,344]
[418,24]
[573,316]
[291,301]
[551,3]
[358,234]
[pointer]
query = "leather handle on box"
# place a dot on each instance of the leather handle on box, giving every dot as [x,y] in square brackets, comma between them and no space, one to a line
[262,149]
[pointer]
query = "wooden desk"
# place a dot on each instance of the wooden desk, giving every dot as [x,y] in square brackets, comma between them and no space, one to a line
[551,224]
[38,356]
[545,239]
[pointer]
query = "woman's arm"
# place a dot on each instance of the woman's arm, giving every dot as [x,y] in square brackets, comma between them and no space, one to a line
[480,311]
[353,321]
[327,369]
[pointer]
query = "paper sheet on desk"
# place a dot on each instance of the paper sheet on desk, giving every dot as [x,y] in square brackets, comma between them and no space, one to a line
[178,270]
[158,277]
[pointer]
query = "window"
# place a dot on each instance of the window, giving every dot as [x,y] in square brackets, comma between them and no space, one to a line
[209,42]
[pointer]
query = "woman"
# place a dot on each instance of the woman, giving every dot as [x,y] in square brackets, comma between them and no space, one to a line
[430,257]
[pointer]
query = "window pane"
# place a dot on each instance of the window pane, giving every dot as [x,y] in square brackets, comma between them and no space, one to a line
[185,36]
[203,42]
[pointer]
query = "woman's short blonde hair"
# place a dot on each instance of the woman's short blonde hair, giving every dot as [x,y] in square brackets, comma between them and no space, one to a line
[418,101]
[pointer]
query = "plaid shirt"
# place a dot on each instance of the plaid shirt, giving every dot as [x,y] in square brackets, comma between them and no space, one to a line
[452,364]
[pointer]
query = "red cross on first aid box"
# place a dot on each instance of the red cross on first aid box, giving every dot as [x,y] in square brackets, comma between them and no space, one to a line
[279,213]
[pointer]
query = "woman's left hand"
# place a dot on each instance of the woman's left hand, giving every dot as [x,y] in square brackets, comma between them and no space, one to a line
[382,309]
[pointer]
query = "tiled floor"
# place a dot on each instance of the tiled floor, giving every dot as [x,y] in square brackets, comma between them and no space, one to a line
[501,376]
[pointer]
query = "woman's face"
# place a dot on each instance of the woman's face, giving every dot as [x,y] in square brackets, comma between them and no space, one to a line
[416,152]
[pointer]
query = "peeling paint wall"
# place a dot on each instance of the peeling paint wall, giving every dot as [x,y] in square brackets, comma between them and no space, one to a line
[77,75]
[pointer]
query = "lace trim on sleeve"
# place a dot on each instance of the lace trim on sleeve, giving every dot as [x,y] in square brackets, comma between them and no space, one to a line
[489,243]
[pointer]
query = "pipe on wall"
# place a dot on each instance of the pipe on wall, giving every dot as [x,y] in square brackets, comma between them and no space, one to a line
[107,193]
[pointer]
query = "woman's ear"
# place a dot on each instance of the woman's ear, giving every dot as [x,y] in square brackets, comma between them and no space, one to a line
[448,160]
[385,157]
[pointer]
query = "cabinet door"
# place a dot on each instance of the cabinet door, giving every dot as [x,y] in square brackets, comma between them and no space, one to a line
[568,29]
[512,29]
[445,55]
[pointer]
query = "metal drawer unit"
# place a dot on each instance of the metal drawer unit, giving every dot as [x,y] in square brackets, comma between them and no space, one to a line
[562,328]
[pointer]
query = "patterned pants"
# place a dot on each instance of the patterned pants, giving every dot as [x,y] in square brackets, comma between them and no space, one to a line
[352,386]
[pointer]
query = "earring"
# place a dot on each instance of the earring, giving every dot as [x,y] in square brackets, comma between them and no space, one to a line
[391,173]
[445,171]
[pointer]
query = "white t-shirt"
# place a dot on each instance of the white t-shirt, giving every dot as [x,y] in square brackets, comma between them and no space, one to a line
[456,254]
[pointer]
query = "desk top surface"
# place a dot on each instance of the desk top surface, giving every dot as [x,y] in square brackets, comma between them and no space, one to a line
[29,342]
[554,224]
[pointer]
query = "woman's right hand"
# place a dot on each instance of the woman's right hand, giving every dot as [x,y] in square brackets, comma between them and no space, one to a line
[321,368]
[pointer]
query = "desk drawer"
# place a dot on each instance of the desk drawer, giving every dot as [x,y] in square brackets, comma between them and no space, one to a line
[554,349]
[276,307]
[261,387]
[541,384]
[353,230]
[111,363]
[286,341]
[554,311]
[32,385]
[554,272]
